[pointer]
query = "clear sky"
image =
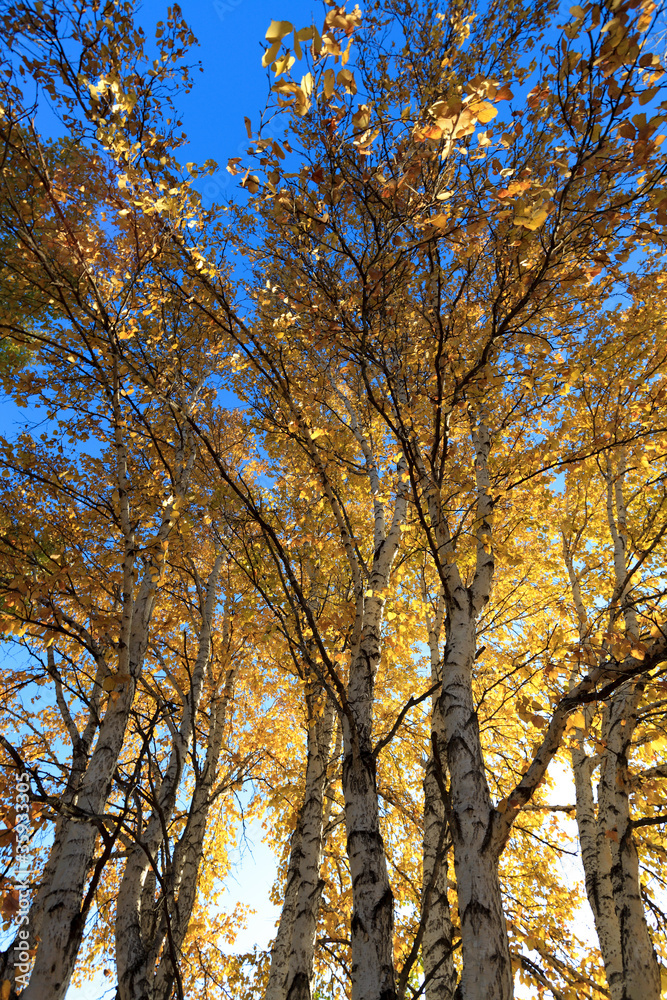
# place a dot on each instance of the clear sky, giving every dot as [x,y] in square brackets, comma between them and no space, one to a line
[233,83]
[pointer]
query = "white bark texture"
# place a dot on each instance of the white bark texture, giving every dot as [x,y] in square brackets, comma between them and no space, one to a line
[62,919]
[81,745]
[181,876]
[276,987]
[372,925]
[595,849]
[487,968]
[437,953]
[596,859]
[135,910]
[372,917]
[609,854]
[618,860]
[641,971]
[63,916]
[300,966]
[290,975]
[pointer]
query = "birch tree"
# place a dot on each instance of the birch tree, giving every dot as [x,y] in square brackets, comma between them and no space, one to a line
[388,186]
[427,313]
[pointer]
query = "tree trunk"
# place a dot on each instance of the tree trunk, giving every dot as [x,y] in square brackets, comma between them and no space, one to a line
[596,859]
[63,916]
[63,921]
[641,971]
[290,975]
[135,920]
[311,821]
[608,851]
[373,902]
[65,907]
[487,967]
[181,877]
[437,955]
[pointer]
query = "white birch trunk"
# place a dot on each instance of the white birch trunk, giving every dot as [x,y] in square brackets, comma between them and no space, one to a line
[595,852]
[171,929]
[276,987]
[81,744]
[372,924]
[618,854]
[372,918]
[292,954]
[135,973]
[437,953]
[62,918]
[641,971]
[596,859]
[609,854]
[487,968]
[311,821]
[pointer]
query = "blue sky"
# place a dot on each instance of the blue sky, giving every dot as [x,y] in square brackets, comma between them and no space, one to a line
[233,83]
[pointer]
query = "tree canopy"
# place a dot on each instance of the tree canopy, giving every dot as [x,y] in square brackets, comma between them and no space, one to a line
[405,602]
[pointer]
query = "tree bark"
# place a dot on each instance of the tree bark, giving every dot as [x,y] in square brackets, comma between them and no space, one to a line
[320,732]
[180,882]
[133,950]
[372,924]
[276,987]
[619,861]
[487,968]
[595,856]
[641,971]
[437,953]
[62,921]
[290,975]
[81,744]
[372,918]
[609,855]
[63,916]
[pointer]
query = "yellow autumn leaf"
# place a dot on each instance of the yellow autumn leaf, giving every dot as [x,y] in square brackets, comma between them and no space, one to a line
[576,721]
[283,64]
[329,83]
[275,33]
[532,221]
[362,117]
[483,111]
[346,79]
